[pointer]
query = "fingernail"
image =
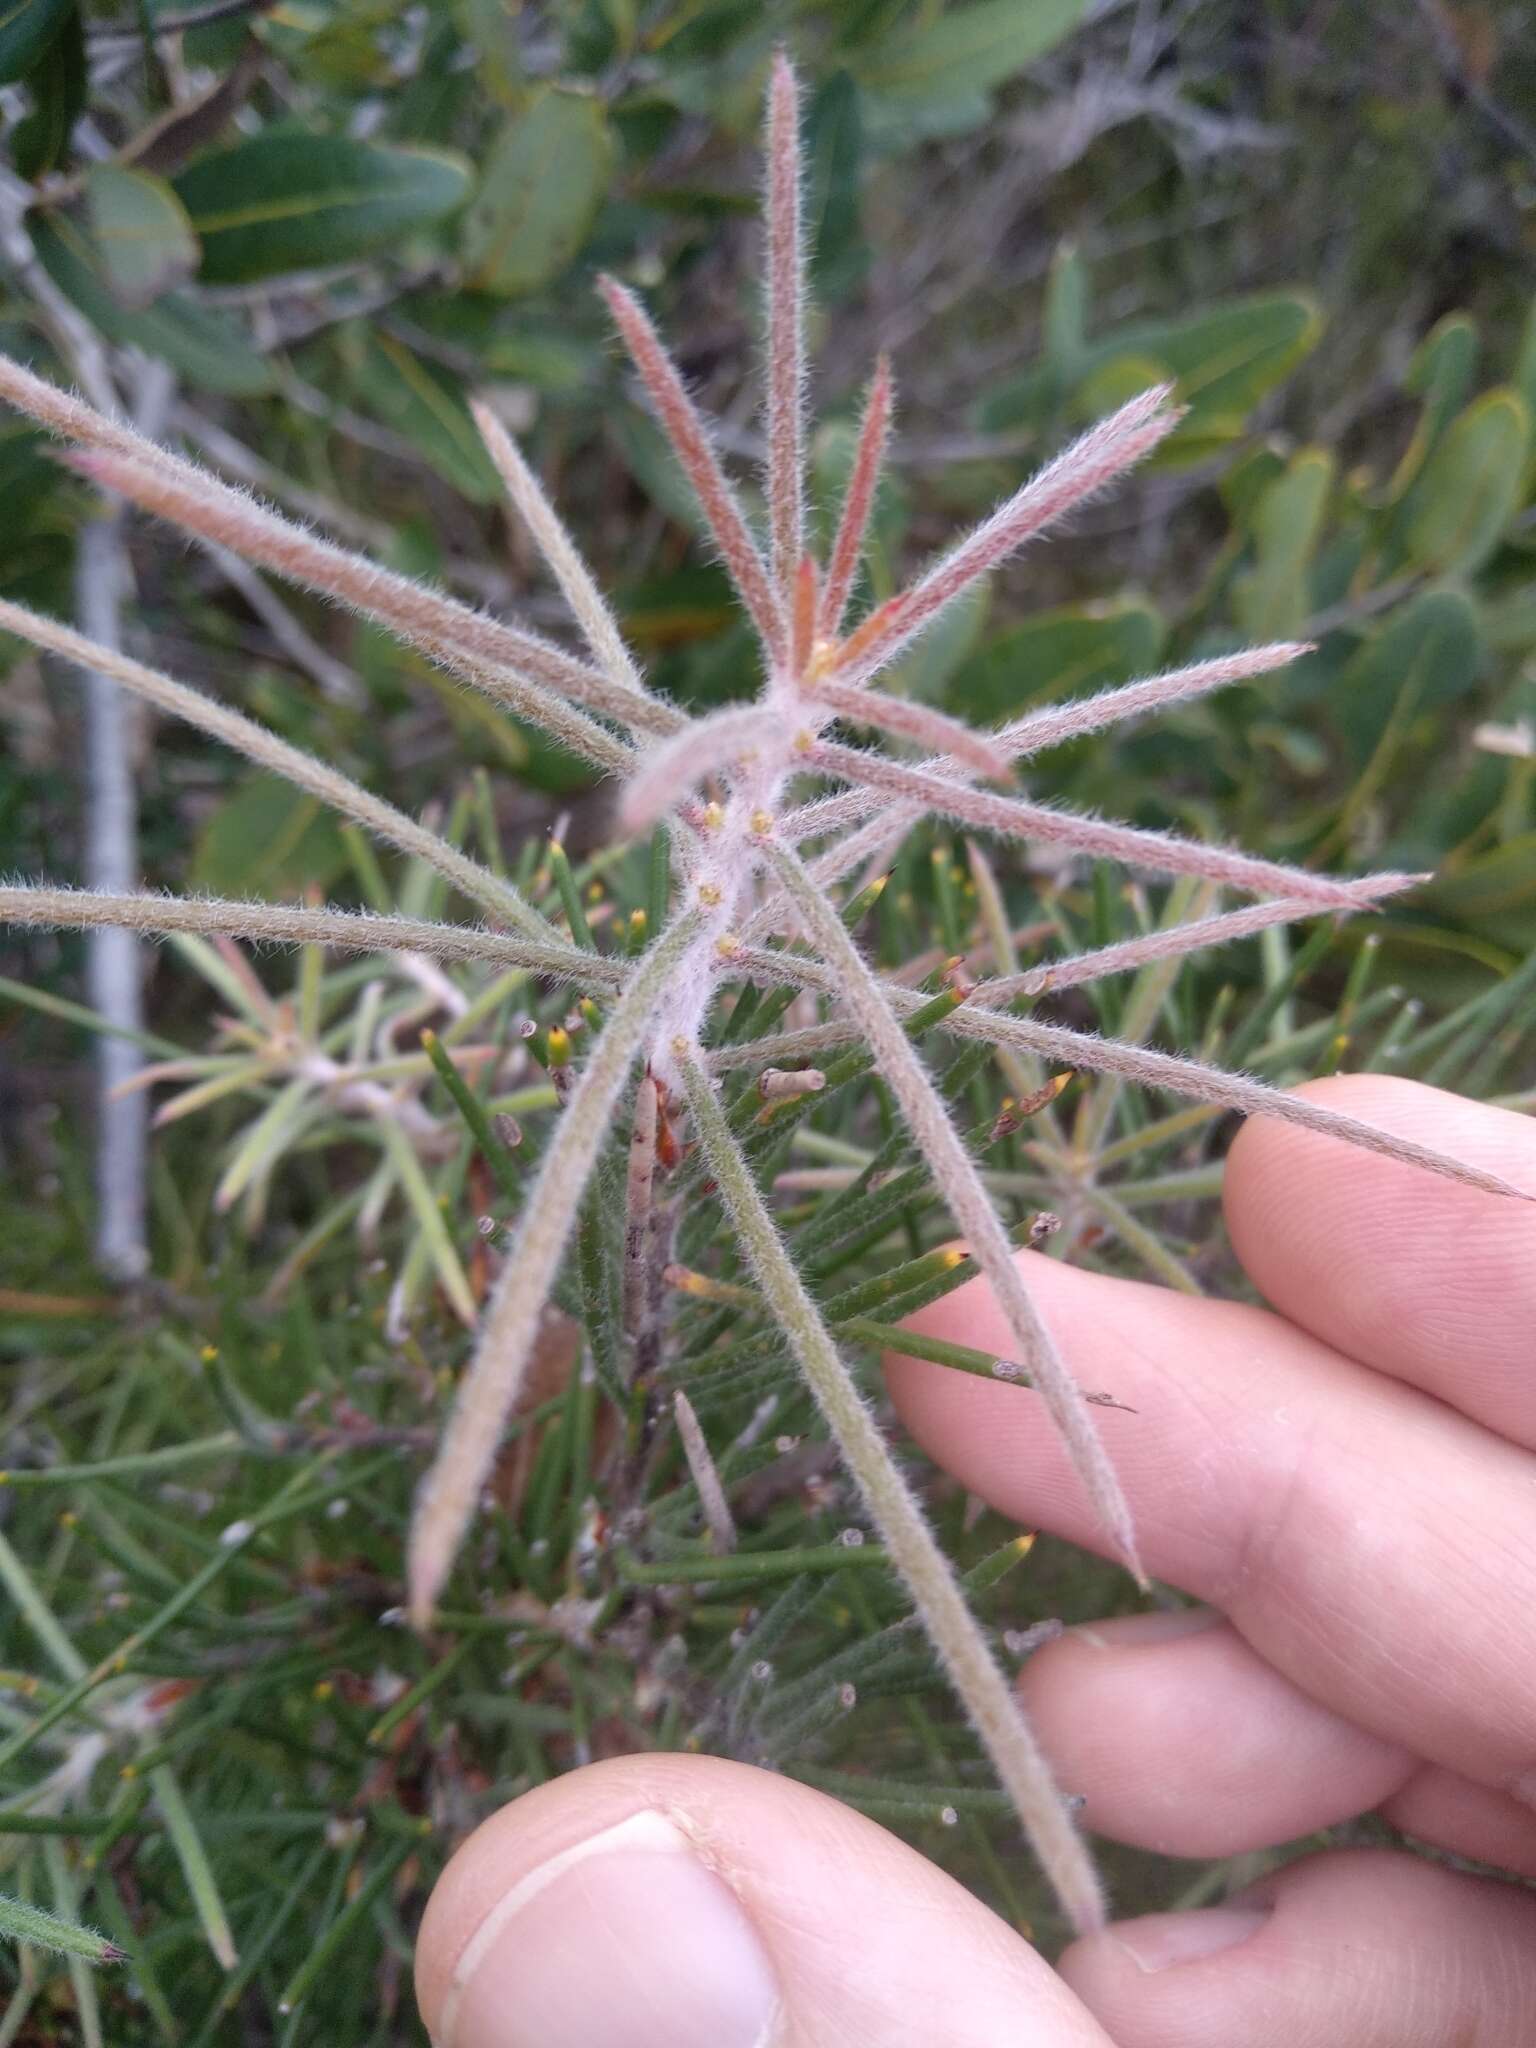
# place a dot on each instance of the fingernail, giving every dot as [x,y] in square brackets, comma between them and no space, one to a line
[1130,1631]
[1163,1940]
[623,1941]
[1523,1787]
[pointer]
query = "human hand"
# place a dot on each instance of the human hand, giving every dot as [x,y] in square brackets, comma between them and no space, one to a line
[1345,1478]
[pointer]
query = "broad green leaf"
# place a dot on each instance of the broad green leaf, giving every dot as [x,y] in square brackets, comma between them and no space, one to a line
[492,30]
[27,27]
[555,363]
[1058,654]
[1245,482]
[1470,487]
[834,141]
[267,840]
[1441,373]
[546,176]
[1421,661]
[677,608]
[58,84]
[1430,647]
[205,347]
[421,402]
[951,639]
[289,201]
[142,233]
[1114,382]
[1510,622]
[1445,362]
[1495,894]
[1273,598]
[1064,323]
[1223,361]
[1226,360]
[1524,378]
[962,53]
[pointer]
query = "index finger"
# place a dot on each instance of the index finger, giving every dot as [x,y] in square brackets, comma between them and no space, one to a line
[1424,1279]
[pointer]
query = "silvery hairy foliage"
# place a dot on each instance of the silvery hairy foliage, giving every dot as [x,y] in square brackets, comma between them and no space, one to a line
[771,809]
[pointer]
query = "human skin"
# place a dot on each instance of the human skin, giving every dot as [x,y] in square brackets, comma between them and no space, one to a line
[1344,1483]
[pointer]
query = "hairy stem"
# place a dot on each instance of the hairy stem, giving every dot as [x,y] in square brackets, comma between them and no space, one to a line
[183,492]
[1163,852]
[284,925]
[292,763]
[588,606]
[955,1174]
[786,332]
[858,503]
[695,452]
[1083,1049]
[530,676]
[1092,461]
[909,721]
[898,1518]
[446,1502]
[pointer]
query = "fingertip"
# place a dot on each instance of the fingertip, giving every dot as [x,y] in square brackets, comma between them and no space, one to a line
[1181,1739]
[678,1900]
[690,1972]
[1358,1948]
[1424,1278]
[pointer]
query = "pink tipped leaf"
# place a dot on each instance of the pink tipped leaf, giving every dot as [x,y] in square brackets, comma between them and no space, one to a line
[1057,723]
[863,482]
[786,331]
[917,722]
[1163,853]
[684,428]
[1093,461]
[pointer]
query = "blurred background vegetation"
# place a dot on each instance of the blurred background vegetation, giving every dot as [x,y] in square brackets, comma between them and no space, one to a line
[292,239]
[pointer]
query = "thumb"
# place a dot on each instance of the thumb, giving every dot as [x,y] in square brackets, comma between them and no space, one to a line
[684,1902]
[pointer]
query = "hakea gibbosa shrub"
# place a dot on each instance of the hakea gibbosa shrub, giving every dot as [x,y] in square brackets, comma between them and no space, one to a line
[769,811]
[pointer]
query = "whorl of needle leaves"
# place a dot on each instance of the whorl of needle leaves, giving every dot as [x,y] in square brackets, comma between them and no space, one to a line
[755,861]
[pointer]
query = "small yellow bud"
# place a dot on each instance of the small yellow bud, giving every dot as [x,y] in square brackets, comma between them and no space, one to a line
[714,816]
[762,823]
[823,654]
[709,894]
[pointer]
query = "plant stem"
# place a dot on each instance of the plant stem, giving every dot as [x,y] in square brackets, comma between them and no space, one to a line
[986,1695]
